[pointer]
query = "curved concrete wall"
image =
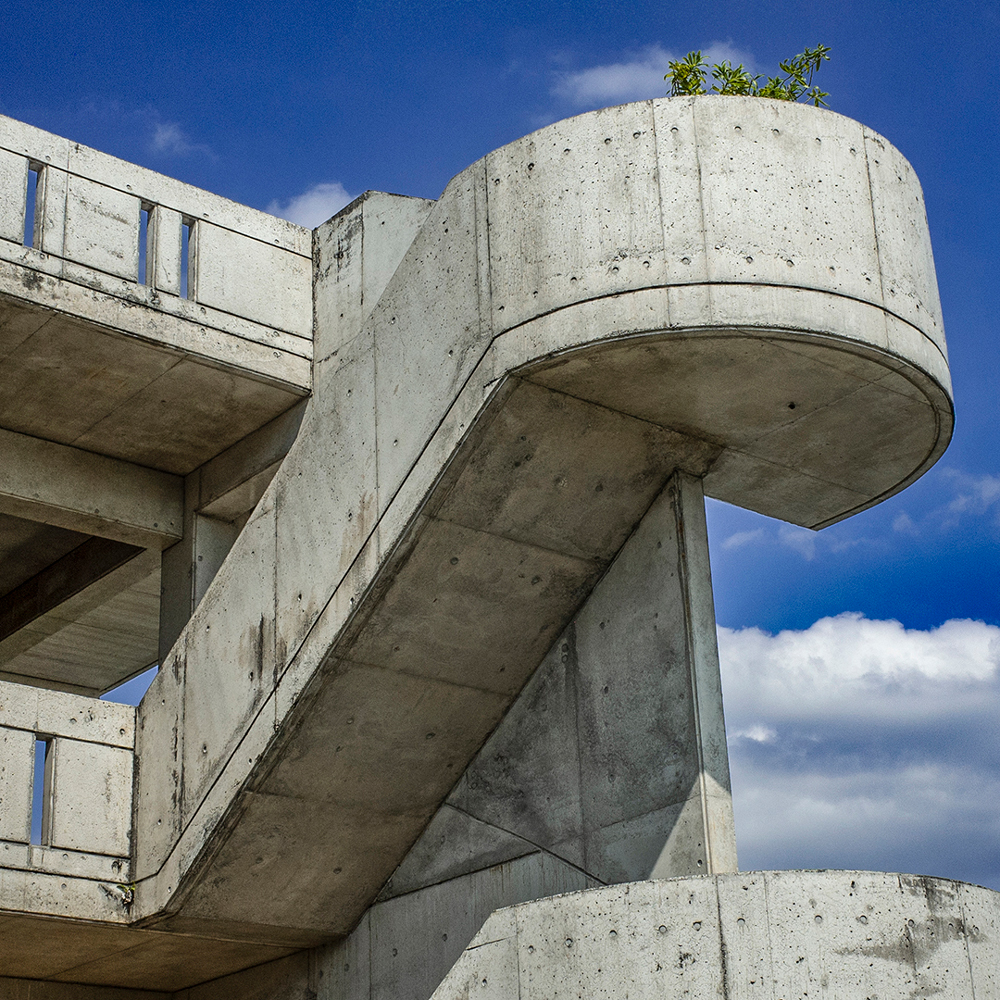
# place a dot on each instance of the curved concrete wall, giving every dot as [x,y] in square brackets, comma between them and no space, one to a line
[738,288]
[757,273]
[756,934]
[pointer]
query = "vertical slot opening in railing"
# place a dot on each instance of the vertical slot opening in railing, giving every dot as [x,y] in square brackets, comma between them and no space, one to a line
[41,793]
[31,213]
[145,257]
[188,256]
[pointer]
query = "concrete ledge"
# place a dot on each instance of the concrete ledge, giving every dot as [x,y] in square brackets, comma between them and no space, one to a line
[755,934]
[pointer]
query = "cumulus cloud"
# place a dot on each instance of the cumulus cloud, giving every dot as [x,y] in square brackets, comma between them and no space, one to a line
[169,139]
[637,77]
[313,207]
[862,744]
[851,664]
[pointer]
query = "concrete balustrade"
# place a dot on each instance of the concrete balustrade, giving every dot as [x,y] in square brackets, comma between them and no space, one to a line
[86,805]
[233,271]
[755,934]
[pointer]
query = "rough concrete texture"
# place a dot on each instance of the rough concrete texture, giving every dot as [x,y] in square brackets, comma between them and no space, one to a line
[757,934]
[728,291]
[414,582]
[613,757]
[86,811]
[564,794]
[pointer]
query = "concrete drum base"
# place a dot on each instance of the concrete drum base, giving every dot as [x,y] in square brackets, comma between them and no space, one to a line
[755,934]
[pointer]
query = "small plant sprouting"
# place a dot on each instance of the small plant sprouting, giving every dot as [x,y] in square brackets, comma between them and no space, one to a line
[688,76]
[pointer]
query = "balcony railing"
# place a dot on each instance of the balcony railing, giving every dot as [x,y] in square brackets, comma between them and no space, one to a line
[73,213]
[65,786]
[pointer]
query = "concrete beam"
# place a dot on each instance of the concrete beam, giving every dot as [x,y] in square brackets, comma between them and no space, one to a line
[71,488]
[230,485]
[65,578]
[71,609]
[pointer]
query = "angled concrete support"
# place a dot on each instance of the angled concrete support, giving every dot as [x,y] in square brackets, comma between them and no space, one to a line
[610,766]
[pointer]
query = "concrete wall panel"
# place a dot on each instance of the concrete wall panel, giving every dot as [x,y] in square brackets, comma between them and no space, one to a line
[757,935]
[981,921]
[102,228]
[326,493]
[575,213]
[427,329]
[786,197]
[159,757]
[904,250]
[91,798]
[17,764]
[76,717]
[404,947]
[231,639]
[252,279]
[13,185]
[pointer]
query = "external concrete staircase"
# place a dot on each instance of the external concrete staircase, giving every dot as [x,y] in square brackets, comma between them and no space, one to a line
[438,638]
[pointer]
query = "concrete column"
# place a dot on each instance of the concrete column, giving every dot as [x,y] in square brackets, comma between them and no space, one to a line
[706,818]
[190,566]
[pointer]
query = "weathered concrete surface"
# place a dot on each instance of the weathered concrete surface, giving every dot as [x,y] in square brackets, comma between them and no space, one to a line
[756,934]
[249,272]
[613,757]
[503,381]
[116,383]
[610,766]
[76,959]
[414,591]
[96,638]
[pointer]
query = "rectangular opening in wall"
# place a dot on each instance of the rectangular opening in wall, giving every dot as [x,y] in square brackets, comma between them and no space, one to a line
[187,258]
[31,203]
[41,792]
[144,254]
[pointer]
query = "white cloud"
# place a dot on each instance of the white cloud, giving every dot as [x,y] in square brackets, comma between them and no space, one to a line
[801,540]
[313,207]
[636,78]
[862,744]
[741,538]
[758,733]
[853,664]
[975,494]
[169,139]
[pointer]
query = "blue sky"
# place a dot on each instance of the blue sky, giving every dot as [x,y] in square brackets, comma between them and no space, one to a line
[856,742]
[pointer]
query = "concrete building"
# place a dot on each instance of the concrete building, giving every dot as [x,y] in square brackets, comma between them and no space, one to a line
[409,510]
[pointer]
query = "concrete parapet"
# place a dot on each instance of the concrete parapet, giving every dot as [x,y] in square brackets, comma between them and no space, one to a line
[208,264]
[754,934]
[86,803]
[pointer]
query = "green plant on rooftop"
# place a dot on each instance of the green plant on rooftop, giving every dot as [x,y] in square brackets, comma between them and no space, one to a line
[688,76]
